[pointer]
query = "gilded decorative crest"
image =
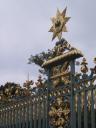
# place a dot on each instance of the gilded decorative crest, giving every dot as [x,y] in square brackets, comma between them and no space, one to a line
[59,23]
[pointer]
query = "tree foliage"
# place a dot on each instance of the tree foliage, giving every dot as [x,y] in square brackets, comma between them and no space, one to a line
[39,59]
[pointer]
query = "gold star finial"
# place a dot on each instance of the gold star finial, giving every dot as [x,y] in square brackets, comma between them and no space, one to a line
[59,24]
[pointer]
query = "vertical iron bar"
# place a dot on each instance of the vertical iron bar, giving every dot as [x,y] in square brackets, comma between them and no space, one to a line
[48,102]
[44,111]
[35,112]
[4,118]
[13,117]
[85,110]
[28,105]
[92,110]
[39,112]
[8,117]
[27,114]
[31,114]
[23,114]
[73,116]
[16,116]
[46,121]
[79,110]
[0,118]
[19,116]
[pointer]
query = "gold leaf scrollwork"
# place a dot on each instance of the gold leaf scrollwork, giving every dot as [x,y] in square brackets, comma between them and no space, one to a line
[59,112]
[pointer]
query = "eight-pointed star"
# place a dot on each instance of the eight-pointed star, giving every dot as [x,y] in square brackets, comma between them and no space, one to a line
[59,23]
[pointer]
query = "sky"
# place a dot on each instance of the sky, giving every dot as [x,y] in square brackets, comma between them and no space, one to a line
[24,26]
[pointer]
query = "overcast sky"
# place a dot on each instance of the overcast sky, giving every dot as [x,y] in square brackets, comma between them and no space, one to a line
[24,26]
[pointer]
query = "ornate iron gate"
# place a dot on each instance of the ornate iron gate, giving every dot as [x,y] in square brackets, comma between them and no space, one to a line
[66,100]
[72,100]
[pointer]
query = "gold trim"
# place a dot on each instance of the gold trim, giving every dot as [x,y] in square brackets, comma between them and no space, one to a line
[72,53]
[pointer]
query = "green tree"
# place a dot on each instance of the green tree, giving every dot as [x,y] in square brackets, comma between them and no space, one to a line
[39,59]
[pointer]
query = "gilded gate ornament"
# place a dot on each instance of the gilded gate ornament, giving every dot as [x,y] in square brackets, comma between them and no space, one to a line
[84,68]
[59,113]
[61,73]
[94,69]
[59,24]
[40,82]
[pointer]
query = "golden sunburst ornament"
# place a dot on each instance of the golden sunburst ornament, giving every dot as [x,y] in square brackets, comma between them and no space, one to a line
[59,23]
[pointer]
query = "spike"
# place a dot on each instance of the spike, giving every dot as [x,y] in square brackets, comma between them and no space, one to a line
[51,29]
[64,29]
[53,19]
[54,35]
[66,19]
[58,13]
[64,12]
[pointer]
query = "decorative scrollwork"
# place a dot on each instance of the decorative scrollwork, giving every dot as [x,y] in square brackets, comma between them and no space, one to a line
[60,74]
[59,112]
[61,47]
